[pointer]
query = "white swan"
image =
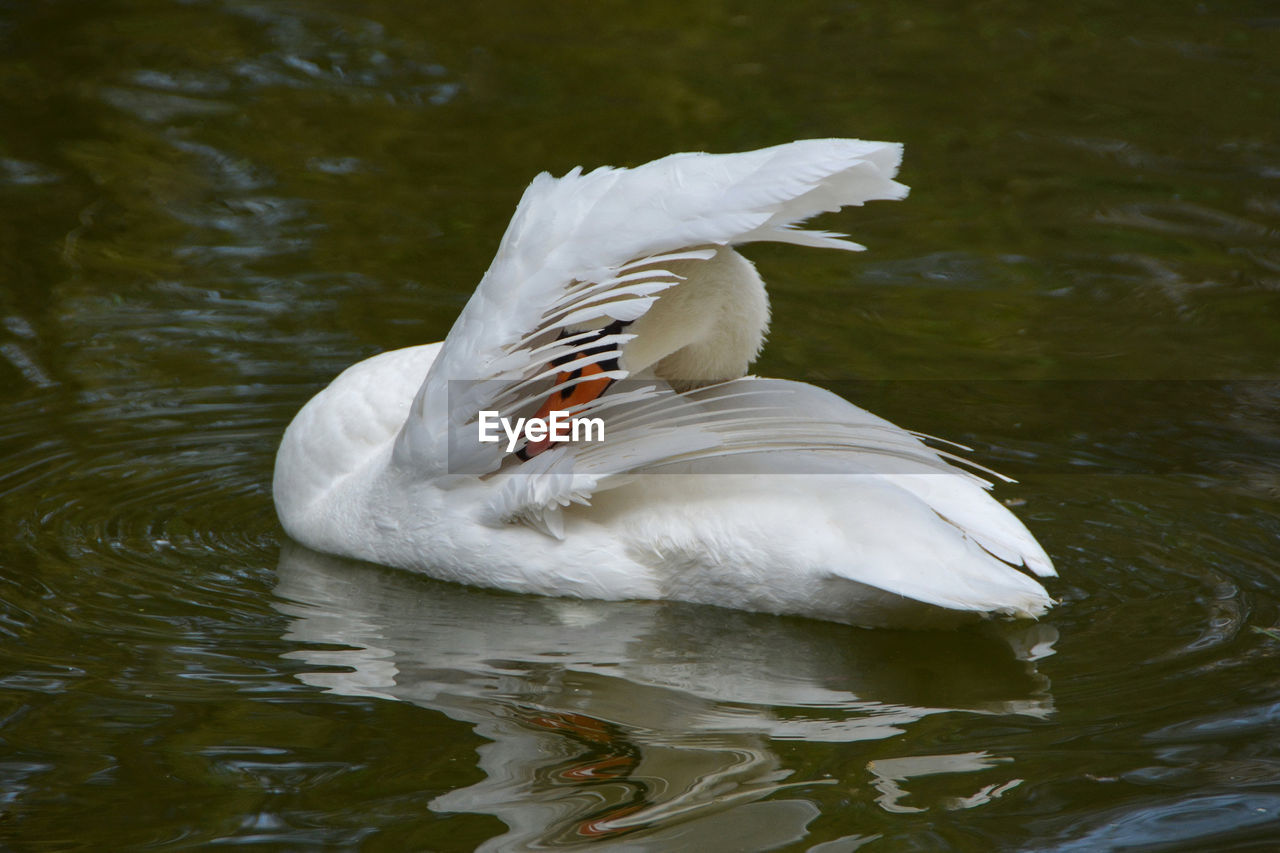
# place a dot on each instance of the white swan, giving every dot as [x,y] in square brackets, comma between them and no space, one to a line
[709,486]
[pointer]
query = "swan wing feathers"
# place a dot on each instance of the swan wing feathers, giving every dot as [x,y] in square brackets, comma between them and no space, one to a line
[590,247]
[586,248]
[771,426]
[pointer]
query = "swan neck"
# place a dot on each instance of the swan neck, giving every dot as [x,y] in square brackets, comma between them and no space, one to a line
[708,328]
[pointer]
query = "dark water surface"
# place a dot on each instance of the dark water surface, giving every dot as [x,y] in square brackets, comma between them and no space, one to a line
[209,208]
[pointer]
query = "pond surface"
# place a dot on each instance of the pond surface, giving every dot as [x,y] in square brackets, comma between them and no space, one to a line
[207,209]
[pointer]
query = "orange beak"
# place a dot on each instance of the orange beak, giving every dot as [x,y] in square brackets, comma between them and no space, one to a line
[568,398]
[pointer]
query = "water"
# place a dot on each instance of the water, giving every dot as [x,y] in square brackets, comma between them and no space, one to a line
[209,208]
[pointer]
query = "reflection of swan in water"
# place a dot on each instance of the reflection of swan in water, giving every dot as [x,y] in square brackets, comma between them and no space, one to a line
[608,718]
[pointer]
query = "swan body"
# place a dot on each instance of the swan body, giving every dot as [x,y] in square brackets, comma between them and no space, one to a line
[618,294]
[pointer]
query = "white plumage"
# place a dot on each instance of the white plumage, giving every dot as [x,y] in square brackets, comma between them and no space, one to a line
[709,486]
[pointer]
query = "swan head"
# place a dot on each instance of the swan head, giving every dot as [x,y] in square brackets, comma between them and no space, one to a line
[708,328]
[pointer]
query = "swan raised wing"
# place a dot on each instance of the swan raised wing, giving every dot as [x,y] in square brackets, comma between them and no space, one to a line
[584,258]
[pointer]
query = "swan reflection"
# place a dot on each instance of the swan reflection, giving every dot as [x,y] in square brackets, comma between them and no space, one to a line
[653,724]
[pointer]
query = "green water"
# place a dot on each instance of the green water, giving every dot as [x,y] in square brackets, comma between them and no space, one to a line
[209,208]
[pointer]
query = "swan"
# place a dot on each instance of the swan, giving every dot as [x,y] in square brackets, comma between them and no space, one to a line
[618,296]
